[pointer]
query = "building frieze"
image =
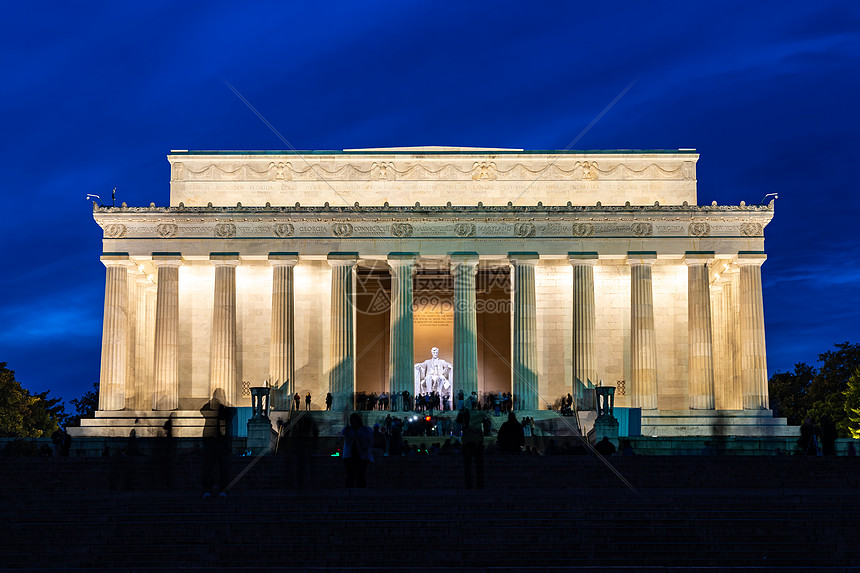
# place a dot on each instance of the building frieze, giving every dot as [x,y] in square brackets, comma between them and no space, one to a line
[437,222]
[465,169]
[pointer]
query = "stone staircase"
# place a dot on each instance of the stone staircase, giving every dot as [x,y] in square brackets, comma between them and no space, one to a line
[716,423]
[537,513]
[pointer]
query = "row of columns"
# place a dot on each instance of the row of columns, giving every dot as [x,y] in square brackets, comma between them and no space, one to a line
[120,361]
[749,366]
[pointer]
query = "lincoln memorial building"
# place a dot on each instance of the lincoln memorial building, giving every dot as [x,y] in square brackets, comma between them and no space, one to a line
[539,273]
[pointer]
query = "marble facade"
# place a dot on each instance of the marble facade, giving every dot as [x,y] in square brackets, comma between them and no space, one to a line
[611,271]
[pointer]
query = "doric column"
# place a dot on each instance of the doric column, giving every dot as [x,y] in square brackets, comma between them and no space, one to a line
[282,361]
[701,355]
[222,365]
[722,364]
[401,357]
[165,394]
[643,342]
[136,339]
[143,343]
[525,330]
[465,267]
[342,373]
[753,353]
[114,333]
[732,313]
[131,395]
[584,355]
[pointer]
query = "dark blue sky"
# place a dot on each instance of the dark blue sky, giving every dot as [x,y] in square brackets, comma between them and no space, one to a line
[94,97]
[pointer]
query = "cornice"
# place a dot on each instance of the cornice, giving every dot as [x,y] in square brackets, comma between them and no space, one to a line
[510,208]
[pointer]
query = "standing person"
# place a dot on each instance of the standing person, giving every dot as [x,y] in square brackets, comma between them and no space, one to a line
[308,401]
[511,436]
[66,446]
[473,446]
[357,444]
[298,400]
[808,440]
[57,439]
[604,447]
[217,431]
[328,401]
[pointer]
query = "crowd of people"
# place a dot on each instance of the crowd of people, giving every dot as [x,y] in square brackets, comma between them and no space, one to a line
[497,402]
[464,436]
[392,432]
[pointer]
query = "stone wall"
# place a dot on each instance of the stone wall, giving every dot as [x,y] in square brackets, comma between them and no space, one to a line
[313,320]
[554,300]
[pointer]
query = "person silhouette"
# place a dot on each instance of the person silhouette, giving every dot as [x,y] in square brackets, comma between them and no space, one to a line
[216,443]
[357,451]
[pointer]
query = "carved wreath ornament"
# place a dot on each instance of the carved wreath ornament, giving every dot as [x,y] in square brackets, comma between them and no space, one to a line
[115,231]
[284,229]
[341,229]
[583,229]
[166,230]
[401,229]
[700,229]
[752,230]
[464,229]
[524,229]
[643,229]
[225,230]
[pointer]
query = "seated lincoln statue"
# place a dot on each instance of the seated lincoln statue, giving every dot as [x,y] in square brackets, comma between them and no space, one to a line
[434,375]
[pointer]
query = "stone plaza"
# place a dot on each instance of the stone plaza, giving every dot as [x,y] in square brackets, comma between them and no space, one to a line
[541,273]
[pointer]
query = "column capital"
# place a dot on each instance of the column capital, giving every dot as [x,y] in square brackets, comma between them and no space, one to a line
[582,258]
[283,259]
[117,260]
[224,259]
[464,258]
[402,259]
[340,259]
[698,257]
[523,258]
[165,259]
[751,258]
[641,257]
